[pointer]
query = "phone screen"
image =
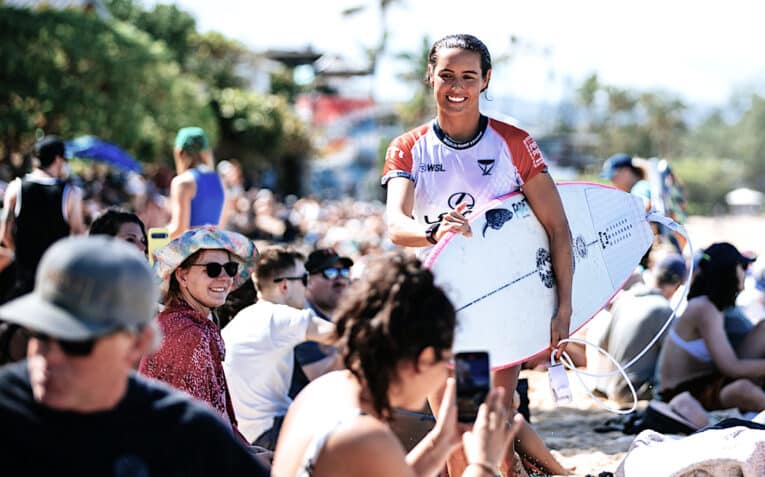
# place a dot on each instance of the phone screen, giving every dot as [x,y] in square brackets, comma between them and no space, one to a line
[158,238]
[473,382]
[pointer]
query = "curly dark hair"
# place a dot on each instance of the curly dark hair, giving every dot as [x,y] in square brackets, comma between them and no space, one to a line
[390,316]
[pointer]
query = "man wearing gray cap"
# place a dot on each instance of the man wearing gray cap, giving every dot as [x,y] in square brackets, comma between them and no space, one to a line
[74,406]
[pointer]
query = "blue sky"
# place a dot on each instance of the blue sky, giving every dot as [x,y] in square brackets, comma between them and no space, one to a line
[701,51]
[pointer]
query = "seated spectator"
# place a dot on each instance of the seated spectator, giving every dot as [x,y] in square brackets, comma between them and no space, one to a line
[197,270]
[752,299]
[260,341]
[396,328]
[74,406]
[122,224]
[637,315]
[328,276]
[698,357]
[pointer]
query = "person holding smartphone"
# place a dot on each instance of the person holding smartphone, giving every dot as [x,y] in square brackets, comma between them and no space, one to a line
[437,173]
[396,329]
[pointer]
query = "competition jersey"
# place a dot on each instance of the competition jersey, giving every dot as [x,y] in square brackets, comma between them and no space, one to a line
[499,160]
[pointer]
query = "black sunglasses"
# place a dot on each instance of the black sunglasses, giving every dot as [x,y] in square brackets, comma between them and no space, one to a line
[70,348]
[332,272]
[303,278]
[213,269]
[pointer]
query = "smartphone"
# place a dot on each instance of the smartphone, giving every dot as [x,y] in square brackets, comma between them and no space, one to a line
[471,370]
[158,238]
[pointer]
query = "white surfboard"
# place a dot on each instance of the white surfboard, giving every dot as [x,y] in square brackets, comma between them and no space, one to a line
[501,280]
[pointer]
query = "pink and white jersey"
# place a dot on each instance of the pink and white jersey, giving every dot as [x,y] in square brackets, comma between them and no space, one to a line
[499,160]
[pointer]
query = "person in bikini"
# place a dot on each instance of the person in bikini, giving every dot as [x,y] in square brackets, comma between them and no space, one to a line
[698,357]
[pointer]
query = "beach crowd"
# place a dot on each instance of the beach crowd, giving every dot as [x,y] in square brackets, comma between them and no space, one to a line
[292,335]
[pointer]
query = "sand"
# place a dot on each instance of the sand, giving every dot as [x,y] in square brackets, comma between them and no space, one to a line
[567,429]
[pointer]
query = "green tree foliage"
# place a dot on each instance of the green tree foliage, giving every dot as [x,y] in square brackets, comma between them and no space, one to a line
[215,60]
[421,106]
[70,73]
[712,158]
[706,181]
[645,124]
[165,22]
[749,142]
[257,128]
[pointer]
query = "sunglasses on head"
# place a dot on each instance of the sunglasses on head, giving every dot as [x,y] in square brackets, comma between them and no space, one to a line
[303,278]
[333,272]
[214,269]
[70,348]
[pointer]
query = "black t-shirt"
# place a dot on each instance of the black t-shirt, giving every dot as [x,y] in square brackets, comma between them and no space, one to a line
[153,431]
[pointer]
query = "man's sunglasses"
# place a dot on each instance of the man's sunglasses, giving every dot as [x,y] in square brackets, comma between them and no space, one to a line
[303,278]
[332,273]
[213,269]
[70,348]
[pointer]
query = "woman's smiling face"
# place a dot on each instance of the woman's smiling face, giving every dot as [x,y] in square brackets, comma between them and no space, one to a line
[210,292]
[457,80]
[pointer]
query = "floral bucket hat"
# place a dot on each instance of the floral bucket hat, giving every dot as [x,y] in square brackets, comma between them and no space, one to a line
[169,257]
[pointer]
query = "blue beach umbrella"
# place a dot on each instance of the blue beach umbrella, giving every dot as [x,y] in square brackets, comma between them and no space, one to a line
[91,147]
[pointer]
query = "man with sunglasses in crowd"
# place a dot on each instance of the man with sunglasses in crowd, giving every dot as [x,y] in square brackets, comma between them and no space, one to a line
[260,341]
[75,406]
[329,275]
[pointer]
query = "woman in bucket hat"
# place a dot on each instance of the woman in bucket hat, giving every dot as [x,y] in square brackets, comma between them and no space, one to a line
[196,272]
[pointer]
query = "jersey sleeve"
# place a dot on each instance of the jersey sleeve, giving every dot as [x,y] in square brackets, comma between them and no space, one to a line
[398,159]
[527,157]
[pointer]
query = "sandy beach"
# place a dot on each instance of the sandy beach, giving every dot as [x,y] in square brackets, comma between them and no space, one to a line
[568,429]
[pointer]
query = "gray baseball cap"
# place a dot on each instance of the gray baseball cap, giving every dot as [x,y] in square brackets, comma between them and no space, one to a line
[87,287]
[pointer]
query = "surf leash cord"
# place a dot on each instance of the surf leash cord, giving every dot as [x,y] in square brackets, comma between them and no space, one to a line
[558,382]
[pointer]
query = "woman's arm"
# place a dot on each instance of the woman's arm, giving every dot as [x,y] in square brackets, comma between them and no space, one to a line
[402,227]
[320,330]
[712,330]
[429,455]
[545,201]
[182,190]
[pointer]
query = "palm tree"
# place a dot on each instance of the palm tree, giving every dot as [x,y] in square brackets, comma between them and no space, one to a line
[421,105]
[374,53]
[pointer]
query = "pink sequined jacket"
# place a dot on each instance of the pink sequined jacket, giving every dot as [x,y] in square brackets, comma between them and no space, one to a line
[191,357]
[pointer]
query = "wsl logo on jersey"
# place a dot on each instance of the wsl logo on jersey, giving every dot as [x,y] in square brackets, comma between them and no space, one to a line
[432,168]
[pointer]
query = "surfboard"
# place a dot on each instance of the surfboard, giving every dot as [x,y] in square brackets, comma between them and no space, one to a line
[501,281]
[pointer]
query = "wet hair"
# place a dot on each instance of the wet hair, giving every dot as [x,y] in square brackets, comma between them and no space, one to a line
[719,282]
[390,316]
[464,42]
[110,221]
[273,261]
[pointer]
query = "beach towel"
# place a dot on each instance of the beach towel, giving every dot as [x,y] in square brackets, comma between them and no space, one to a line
[738,451]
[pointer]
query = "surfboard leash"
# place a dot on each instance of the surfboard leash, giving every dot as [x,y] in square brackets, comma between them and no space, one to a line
[558,375]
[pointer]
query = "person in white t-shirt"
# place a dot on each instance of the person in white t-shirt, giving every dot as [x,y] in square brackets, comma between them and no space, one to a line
[260,341]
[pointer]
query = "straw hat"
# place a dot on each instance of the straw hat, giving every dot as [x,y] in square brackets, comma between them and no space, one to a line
[169,257]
